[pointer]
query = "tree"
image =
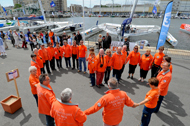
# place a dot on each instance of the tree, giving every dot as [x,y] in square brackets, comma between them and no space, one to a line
[17,6]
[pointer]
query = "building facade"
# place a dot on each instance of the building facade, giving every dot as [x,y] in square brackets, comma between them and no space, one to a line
[76,8]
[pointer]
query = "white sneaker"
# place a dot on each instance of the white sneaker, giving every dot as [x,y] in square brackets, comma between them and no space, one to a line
[139,79]
[5,54]
[142,80]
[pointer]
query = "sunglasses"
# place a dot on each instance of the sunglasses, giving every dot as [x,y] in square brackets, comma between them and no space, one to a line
[136,48]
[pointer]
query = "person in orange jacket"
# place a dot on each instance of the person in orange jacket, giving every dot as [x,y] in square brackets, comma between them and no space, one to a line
[34,63]
[134,57]
[108,58]
[46,97]
[65,112]
[164,78]
[58,55]
[150,101]
[91,66]
[117,63]
[39,60]
[125,53]
[82,56]
[67,53]
[100,68]
[157,60]
[145,62]
[51,52]
[51,34]
[45,56]
[75,54]
[34,80]
[113,103]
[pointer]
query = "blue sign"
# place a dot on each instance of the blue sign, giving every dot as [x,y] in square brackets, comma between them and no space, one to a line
[52,4]
[154,10]
[5,10]
[165,25]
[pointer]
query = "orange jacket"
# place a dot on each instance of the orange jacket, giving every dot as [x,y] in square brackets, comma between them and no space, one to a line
[134,58]
[158,57]
[44,54]
[109,61]
[51,52]
[164,81]
[67,50]
[51,36]
[171,67]
[100,61]
[117,61]
[145,62]
[33,80]
[82,51]
[152,96]
[75,50]
[67,114]
[58,52]
[34,63]
[124,55]
[46,97]
[113,103]
[91,64]
[39,60]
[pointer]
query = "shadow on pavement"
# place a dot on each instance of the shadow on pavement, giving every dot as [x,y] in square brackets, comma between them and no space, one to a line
[128,86]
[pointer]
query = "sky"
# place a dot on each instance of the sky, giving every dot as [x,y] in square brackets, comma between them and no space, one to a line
[86,3]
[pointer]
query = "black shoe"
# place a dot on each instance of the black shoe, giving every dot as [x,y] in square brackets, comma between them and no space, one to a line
[49,72]
[131,77]
[128,77]
[101,85]
[73,68]
[98,86]
[92,85]
[90,82]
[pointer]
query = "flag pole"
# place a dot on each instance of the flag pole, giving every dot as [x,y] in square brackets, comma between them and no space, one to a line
[83,24]
[42,10]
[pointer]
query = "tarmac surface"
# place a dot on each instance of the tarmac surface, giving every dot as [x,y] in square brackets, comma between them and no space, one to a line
[174,111]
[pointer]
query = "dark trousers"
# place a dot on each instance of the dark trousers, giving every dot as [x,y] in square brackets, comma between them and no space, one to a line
[42,70]
[159,103]
[132,68]
[24,44]
[143,73]
[52,63]
[13,42]
[146,116]
[92,78]
[36,97]
[122,69]
[154,70]
[107,75]
[47,66]
[49,121]
[59,62]
[67,61]
[74,57]
[31,46]
[117,73]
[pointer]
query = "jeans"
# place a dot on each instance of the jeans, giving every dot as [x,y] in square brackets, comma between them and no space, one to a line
[59,62]
[67,61]
[49,121]
[99,77]
[117,73]
[158,103]
[92,78]
[107,75]
[31,46]
[74,57]
[80,63]
[36,97]
[146,116]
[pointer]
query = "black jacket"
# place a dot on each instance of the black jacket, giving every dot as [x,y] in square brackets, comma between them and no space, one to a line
[108,40]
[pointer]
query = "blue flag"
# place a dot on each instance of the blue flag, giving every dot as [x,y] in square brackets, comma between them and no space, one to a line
[154,10]
[5,10]
[165,25]
[52,4]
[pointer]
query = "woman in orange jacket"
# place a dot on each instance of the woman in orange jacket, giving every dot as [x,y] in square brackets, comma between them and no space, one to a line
[34,63]
[108,58]
[134,57]
[145,62]
[51,52]
[67,53]
[39,60]
[91,66]
[58,55]
[75,54]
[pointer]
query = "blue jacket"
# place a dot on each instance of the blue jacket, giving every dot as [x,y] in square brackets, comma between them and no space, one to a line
[1,41]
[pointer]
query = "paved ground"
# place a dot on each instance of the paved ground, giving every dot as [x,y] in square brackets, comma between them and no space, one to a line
[174,110]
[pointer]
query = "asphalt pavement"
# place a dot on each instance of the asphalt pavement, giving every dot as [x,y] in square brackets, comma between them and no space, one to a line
[174,111]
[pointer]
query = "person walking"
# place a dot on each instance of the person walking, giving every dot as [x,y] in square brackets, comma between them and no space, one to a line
[134,57]
[108,39]
[34,63]
[164,78]
[34,80]
[79,37]
[113,103]
[100,68]
[75,54]
[145,62]
[31,42]
[82,56]
[58,55]
[157,60]
[67,53]
[34,41]
[22,36]
[2,49]
[46,97]
[16,38]
[12,38]
[4,39]
[65,108]
[150,101]
[39,60]
[51,52]
[109,61]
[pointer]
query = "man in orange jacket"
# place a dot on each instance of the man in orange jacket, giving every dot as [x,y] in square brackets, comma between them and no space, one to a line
[113,103]
[164,78]
[46,97]
[51,34]
[34,63]
[39,60]
[75,54]
[100,68]
[124,53]
[82,56]
[51,52]
[117,63]
[65,112]
[67,53]
[58,55]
